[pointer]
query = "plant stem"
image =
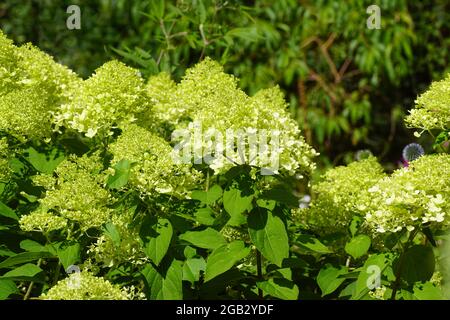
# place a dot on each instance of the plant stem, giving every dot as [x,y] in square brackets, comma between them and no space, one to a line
[400,264]
[207,181]
[347,263]
[30,287]
[259,271]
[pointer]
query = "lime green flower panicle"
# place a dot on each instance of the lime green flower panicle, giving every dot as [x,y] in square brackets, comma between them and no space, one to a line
[213,100]
[5,171]
[75,195]
[295,155]
[205,87]
[113,95]
[164,114]
[32,85]
[108,253]
[154,169]
[432,109]
[85,286]
[42,220]
[341,194]
[412,196]
[8,62]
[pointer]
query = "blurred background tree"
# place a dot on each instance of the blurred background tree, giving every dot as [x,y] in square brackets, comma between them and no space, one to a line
[348,86]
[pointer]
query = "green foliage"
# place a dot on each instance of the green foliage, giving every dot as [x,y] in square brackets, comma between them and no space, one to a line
[335,72]
[94,205]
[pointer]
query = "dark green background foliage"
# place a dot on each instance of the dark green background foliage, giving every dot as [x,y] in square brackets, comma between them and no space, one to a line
[347,85]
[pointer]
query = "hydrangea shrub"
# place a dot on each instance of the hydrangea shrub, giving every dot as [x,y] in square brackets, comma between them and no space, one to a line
[96,204]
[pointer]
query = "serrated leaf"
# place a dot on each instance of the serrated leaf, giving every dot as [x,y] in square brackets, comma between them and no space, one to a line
[206,239]
[224,258]
[269,235]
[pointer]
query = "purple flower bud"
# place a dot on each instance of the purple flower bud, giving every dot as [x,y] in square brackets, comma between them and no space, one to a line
[412,152]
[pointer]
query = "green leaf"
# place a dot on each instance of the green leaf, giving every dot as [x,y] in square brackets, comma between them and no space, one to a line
[354,225]
[224,258]
[236,204]
[427,291]
[168,287]
[418,264]
[281,194]
[111,231]
[348,291]
[268,204]
[208,197]
[27,272]
[206,239]
[328,278]
[44,162]
[32,246]
[192,268]
[121,175]
[279,288]
[249,34]
[189,252]
[369,273]
[156,248]
[358,246]
[269,235]
[205,216]
[24,257]
[7,287]
[312,244]
[5,252]
[7,211]
[173,283]
[69,255]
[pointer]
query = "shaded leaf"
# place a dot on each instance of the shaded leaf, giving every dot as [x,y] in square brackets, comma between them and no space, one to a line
[224,258]
[206,239]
